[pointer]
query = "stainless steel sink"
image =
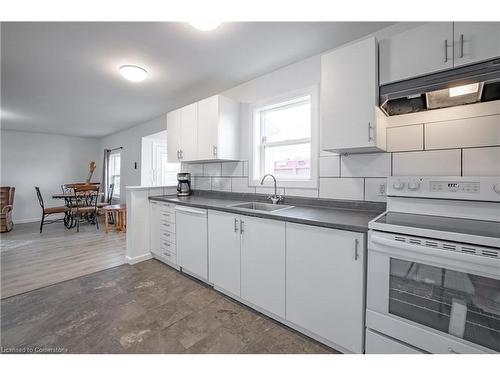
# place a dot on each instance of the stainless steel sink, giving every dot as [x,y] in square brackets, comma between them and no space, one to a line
[259,206]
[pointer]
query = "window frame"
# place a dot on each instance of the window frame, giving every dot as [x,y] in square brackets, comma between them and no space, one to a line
[116,192]
[257,145]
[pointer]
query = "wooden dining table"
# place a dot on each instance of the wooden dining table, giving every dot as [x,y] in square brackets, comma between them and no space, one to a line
[69,220]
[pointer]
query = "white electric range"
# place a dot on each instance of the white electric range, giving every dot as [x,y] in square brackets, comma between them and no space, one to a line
[433,278]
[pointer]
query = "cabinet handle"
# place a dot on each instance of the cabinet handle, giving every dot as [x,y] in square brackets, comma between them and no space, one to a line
[446,50]
[180,154]
[356,253]
[241,226]
[461,45]
[370,138]
[235,224]
[214,150]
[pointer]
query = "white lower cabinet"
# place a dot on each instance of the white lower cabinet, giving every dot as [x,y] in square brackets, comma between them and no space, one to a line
[162,240]
[325,283]
[263,263]
[224,251]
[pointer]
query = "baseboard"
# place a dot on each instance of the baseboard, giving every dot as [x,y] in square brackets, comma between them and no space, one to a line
[24,221]
[140,258]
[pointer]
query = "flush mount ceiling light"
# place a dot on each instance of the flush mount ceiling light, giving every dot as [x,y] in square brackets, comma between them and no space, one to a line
[205,25]
[133,73]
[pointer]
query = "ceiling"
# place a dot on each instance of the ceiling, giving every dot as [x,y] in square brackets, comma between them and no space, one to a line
[63,78]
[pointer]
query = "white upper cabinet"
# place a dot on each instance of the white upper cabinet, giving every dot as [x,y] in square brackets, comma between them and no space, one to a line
[205,130]
[173,136]
[424,49]
[476,41]
[189,136]
[436,46]
[349,96]
[208,123]
[218,128]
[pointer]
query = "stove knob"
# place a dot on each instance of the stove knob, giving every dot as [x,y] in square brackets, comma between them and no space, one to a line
[413,185]
[496,188]
[398,185]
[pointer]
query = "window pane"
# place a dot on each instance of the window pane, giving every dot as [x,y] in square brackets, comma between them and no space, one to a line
[289,162]
[292,121]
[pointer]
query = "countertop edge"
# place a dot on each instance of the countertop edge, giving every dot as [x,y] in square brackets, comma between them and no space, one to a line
[264,215]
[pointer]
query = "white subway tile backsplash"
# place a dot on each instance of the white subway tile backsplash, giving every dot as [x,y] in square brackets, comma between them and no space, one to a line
[212,169]
[341,188]
[194,169]
[221,183]
[375,189]
[232,168]
[296,192]
[202,183]
[483,161]
[427,163]
[245,168]
[329,166]
[405,138]
[470,132]
[365,165]
[240,185]
[269,190]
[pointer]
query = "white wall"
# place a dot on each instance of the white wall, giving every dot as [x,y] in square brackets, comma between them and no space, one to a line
[47,161]
[131,141]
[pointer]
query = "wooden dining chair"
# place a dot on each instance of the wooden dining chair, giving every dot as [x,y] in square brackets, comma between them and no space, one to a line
[109,197]
[84,204]
[47,211]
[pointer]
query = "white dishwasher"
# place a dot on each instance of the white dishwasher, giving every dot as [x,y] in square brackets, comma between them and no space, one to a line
[192,241]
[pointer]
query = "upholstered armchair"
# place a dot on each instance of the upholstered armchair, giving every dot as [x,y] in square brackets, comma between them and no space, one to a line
[6,206]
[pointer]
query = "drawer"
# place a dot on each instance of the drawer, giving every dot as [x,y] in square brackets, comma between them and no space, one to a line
[168,246]
[167,216]
[167,207]
[171,257]
[380,344]
[167,226]
[167,236]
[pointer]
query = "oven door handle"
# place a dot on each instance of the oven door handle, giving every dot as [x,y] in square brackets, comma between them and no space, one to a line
[466,261]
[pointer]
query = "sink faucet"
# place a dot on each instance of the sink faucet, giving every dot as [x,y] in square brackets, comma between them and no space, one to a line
[275,198]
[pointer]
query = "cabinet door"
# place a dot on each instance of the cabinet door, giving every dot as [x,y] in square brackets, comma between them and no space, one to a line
[189,129]
[154,227]
[208,120]
[349,89]
[476,41]
[325,279]
[224,250]
[263,263]
[173,135]
[421,50]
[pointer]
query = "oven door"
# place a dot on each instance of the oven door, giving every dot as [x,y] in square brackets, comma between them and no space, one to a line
[432,295]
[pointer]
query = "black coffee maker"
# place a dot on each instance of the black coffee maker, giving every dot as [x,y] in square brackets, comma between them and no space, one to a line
[183,184]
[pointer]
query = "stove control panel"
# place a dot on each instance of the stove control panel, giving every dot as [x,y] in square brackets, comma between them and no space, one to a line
[453,186]
[462,188]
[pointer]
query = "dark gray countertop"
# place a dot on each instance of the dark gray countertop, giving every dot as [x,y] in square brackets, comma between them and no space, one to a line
[353,216]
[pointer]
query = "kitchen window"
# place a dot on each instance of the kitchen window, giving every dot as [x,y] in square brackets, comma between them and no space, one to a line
[285,134]
[114,172]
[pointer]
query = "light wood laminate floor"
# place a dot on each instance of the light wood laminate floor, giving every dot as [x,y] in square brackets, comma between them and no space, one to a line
[30,260]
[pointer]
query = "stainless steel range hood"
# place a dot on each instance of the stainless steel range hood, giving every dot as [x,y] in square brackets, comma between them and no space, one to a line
[474,83]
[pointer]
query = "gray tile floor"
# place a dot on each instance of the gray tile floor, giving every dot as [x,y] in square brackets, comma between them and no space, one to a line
[145,308]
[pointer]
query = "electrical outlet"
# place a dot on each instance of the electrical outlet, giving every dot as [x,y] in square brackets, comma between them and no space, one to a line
[381,189]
